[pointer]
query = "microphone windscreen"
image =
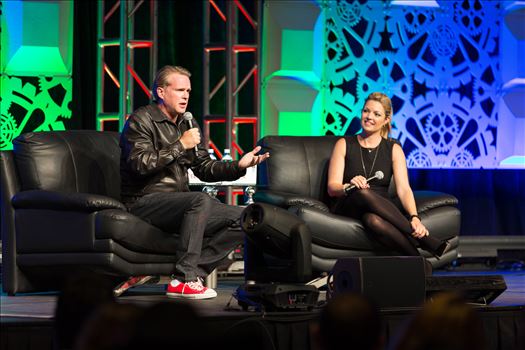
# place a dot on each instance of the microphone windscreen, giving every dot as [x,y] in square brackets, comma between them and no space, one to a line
[187,116]
[379,175]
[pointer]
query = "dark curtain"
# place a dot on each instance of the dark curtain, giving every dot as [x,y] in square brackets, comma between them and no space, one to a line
[84,65]
[492,201]
[180,42]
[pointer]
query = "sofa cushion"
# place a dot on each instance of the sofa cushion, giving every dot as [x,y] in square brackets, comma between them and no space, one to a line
[298,164]
[85,161]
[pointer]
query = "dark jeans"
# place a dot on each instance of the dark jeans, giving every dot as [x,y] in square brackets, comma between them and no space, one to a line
[208,229]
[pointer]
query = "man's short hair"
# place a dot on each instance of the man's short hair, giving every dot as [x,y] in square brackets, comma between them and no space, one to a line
[161,79]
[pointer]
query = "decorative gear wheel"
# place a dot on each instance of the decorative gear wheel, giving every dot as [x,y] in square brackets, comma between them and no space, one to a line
[338,115]
[334,47]
[443,130]
[55,106]
[8,130]
[391,79]
[350,13]
[21,100]
[443,41]
[487,82]
[415,18]
[418,159]
[470,14]
[463,159]
[24,96]
[15,95]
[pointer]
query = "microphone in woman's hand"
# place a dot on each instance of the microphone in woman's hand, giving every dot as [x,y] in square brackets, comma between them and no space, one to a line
[378,175]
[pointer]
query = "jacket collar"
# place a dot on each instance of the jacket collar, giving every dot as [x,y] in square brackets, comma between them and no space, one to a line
[158,116]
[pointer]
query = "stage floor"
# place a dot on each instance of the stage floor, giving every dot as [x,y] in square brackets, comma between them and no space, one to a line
[25,314]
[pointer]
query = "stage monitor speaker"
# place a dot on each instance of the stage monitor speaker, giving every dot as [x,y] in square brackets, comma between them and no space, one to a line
[480,290]
[390,282]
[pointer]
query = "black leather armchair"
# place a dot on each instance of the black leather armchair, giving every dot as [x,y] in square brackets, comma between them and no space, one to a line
[61,213]
[295,177]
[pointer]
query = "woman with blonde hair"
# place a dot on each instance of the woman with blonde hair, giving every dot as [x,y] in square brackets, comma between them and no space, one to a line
[357,158]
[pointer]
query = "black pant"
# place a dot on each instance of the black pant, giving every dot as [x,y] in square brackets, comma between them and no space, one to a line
[385,221]
[208,229]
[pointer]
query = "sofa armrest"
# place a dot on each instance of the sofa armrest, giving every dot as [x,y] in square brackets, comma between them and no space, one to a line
[426,200]
[286,200]
[84,202]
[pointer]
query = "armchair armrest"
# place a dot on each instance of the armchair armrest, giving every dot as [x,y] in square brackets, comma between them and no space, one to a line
[286,200]
[426,200]
[84,202]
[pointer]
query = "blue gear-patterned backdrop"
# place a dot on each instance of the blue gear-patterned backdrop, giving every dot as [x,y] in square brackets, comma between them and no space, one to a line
[438,64]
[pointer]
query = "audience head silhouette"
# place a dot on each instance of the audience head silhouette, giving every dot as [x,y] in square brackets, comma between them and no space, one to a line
[348,321]
[170,324]
[110,327]
[80,296]
[445,322]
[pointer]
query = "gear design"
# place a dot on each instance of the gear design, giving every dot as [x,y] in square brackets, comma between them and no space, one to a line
[443,41]
[56,106]
[470,14]
[415,19]
[350,13]
[482,87]
[334,47]
[338,116]
[443,130]
[16,97]
[332,125]
[14,92]
[391,79]
[441,79]
[463,159]
[418,159]
[26,108]
[8,130]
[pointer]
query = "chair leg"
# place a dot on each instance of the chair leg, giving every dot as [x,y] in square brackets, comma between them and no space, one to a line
[211,280]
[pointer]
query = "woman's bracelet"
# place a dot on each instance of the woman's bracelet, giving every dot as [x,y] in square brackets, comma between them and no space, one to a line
[414,216]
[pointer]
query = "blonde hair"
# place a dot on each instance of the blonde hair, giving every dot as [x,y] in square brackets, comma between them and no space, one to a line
[387,106]
[161,79]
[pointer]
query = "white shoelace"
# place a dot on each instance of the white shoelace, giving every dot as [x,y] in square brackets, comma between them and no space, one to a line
[197,285]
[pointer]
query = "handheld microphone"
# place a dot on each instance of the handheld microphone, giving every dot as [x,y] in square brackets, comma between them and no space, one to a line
[378,175]
[188,116]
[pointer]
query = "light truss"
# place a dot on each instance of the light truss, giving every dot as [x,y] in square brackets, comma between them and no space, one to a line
[123,74]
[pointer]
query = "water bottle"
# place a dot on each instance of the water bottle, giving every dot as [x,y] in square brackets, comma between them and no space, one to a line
[211,154]
[227,156]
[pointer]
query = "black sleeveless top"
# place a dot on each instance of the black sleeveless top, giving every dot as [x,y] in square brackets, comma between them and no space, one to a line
[374,159]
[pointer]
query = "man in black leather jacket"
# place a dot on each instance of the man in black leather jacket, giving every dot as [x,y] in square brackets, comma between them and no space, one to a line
[158,147]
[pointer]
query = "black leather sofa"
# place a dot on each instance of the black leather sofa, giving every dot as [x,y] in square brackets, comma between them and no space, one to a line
[61,214]
[295,176]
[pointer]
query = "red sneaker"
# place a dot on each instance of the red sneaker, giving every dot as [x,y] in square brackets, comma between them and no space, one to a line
[189,290]
[131,282]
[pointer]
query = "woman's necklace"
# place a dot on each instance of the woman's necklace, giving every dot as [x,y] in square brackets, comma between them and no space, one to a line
[373,162]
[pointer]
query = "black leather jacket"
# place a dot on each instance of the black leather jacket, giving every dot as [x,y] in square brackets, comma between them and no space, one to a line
[153,159]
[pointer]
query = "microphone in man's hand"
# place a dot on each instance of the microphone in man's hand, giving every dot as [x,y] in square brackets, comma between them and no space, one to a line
[188,116]
[378,175]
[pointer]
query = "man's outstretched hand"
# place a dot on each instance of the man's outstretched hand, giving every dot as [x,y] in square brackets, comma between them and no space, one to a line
[251,159]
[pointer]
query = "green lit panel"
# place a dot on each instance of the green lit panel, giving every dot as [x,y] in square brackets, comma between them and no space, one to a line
[33,104]
[292,91]
[295,123]
[291,95]
[37,38]
[297,46]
